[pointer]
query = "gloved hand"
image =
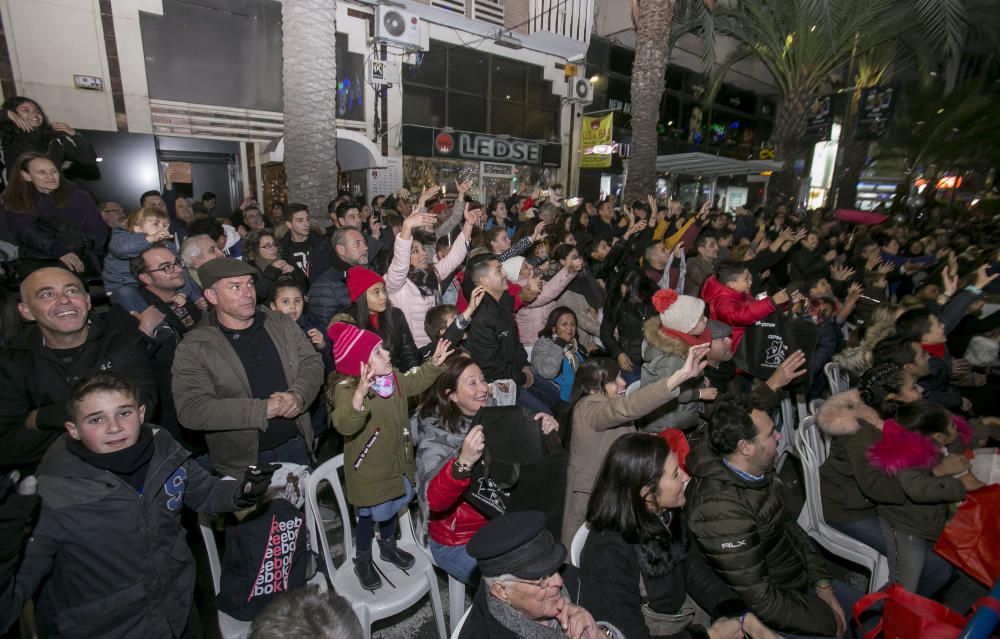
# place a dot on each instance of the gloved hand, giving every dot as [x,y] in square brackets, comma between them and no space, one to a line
[255,483]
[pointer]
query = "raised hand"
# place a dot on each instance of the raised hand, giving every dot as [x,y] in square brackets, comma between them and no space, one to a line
[72,262]
[474,300]
[472,216]
[539,233]
[788,371]
[983,277]
[679,249]
[473,446]
[547,422]
[365,380]
[442,352]
[695,362]
[62,127]
[416,220]
[855,290]
[18,121]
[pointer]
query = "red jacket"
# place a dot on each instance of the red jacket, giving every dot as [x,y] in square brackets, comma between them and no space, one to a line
[736,309]
[452,521]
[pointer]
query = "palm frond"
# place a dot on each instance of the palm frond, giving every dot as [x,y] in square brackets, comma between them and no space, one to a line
[944,22]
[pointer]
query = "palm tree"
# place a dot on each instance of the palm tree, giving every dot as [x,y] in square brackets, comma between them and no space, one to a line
[309,74]
[653,21]
[806,43]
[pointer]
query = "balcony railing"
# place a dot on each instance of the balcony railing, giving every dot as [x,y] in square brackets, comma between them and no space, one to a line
[568,18]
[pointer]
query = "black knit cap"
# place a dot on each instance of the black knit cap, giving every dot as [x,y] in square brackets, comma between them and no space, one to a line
[517,544]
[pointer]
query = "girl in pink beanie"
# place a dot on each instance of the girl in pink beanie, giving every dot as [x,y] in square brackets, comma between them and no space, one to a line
[367,397]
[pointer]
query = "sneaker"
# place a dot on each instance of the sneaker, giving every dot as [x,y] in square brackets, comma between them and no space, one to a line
[364,568]
[389,551]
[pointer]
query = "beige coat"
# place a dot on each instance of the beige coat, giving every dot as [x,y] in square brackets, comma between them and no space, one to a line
[597,423]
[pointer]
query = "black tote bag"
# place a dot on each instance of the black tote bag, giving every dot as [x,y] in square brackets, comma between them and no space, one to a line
[767,343]
[521,469]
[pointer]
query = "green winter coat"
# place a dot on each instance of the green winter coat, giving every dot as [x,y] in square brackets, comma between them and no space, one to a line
[745,533]
[376,476]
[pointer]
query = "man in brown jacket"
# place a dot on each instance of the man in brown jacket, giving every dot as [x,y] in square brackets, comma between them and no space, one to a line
[246,376]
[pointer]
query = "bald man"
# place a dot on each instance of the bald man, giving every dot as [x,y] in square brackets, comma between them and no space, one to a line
[64,345]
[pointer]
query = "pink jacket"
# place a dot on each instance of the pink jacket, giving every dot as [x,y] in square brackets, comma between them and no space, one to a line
[531,318]
[406,296]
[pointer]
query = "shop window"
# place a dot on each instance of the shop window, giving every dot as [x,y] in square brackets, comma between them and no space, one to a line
[429,68]
[468,70]
[507,119]
[423,106]
[540,90]
[541,124]
[467,112]
[508,80]
[621,60]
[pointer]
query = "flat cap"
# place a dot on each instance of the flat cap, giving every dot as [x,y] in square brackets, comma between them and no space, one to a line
[517,544]
[222,267]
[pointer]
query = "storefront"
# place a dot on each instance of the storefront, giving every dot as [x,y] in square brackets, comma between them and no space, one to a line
[497,165]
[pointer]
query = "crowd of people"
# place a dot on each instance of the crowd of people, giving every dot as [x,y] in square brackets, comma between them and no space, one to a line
[154,352]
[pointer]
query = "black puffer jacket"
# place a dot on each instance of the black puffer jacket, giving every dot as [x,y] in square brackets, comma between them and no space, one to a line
[493,341]
[117,562]
[611,569]
[748,538]
[33,377]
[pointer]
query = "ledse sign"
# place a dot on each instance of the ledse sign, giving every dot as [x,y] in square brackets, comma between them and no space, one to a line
[475,146]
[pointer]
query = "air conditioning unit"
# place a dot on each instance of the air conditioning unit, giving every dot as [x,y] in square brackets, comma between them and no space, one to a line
[579,90]
[397,27]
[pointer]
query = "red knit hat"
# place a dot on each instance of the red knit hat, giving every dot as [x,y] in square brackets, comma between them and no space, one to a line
[352,346]
[359,280]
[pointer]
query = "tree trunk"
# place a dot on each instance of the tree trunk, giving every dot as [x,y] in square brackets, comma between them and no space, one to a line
[309,74]
[652,41]
[789,129]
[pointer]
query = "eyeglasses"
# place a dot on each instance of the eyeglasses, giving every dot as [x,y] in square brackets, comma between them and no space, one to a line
[541,582]
[167,268]
[268,246]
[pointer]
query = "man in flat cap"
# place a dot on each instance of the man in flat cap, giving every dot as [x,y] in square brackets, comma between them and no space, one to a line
[527,592]
[246,376]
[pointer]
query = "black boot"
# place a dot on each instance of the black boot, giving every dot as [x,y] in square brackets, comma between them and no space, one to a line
[364,568]
[389,551]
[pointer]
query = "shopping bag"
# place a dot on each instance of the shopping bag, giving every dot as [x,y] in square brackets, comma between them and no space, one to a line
[767,343]
[521,468]
[906,615]
[969,539]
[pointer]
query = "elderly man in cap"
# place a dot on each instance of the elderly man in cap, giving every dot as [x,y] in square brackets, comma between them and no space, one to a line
[246,376]
[527,592]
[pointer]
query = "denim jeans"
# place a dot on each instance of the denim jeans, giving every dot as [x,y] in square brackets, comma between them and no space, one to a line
[936,570]
[293,451]
[908,557]
[847,596]
[455,561]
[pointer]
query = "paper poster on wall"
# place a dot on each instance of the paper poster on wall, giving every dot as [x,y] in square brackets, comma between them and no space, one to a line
[386,180]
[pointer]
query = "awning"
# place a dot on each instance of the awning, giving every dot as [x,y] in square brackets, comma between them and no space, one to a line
[706,165]
[354,151]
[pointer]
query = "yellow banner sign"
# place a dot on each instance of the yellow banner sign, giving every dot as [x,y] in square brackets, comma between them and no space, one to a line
[595,142]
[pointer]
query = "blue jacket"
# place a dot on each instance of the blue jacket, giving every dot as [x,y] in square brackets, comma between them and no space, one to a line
[123,246]
[328,296]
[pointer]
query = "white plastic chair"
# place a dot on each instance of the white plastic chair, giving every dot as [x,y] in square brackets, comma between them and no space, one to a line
[812,449]
[815,405]
[633,387]
[785,424]
[576,546]
[461,622]
[456,588]
[836,379]
[400,589]
[229,627]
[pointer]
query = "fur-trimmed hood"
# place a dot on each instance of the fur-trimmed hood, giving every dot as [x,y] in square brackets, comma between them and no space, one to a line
[843,413]
[657,339]
[902,449]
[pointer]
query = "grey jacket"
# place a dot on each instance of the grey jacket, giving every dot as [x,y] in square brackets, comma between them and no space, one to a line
[115,563]
[663,356]
[212,391]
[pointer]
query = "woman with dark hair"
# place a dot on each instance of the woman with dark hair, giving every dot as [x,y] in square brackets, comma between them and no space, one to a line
[51,220]
[628,307]
[599,413]
[25,128]
[640,550]
[371,310]
[851,487]
[263,252]
[557,354]
[447,446]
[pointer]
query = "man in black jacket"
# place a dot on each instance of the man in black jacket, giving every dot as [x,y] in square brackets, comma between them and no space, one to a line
[37,373]
[306,248]
[493,341]
[328,293]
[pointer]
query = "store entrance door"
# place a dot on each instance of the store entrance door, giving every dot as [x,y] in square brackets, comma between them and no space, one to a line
[496,181]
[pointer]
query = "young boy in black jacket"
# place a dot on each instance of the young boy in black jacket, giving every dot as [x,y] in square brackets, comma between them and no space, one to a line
[109,544]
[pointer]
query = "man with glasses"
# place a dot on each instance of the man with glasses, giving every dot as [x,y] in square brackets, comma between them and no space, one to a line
[527,590]
[113,214]
[169,317]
